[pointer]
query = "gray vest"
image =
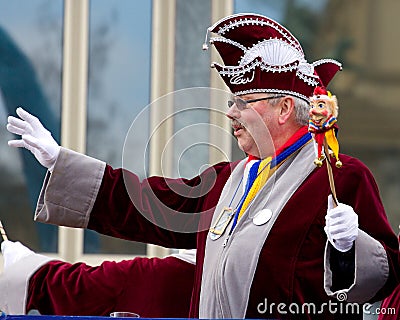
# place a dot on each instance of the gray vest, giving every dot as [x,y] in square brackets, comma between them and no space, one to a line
[230,264]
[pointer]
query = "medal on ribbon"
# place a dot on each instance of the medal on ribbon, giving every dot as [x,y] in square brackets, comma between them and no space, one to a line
[219,227]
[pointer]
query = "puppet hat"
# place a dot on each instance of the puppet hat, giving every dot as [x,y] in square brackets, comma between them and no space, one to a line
[260,55]
[321,93]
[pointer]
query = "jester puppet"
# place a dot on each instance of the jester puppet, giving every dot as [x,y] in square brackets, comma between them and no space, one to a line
[323,123]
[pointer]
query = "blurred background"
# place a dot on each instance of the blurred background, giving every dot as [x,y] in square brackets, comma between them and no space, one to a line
[88,68]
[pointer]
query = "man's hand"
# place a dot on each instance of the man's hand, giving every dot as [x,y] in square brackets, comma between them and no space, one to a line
[35,138]
[13,252]
[341,225]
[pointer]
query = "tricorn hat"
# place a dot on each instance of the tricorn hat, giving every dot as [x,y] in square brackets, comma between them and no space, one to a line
[260,55]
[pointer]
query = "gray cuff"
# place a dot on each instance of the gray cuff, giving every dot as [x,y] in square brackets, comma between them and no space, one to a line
[14,282]
[69,192]
[371,270]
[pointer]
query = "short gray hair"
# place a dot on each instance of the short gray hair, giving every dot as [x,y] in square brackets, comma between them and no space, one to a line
[302,108]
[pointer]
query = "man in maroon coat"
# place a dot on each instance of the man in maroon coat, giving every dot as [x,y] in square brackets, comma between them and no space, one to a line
[270,240]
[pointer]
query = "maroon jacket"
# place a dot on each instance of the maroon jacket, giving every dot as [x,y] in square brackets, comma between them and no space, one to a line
[291,263]
[390,308]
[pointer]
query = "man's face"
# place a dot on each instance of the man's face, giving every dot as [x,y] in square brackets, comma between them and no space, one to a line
[252,125]
[319,111]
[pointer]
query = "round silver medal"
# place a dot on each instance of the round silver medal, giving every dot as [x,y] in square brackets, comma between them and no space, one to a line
[262,217]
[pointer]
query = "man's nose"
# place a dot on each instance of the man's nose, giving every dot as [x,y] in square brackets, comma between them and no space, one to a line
[233,112]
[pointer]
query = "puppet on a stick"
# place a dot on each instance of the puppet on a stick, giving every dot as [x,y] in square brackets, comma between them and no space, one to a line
[323,125]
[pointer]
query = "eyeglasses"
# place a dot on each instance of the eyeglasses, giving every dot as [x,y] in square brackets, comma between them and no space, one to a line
[242,104]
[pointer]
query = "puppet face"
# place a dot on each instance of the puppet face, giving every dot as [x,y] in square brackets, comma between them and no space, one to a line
[320,111]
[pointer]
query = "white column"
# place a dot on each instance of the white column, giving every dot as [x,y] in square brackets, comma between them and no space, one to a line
[162,82]
[74,103]
[220,9]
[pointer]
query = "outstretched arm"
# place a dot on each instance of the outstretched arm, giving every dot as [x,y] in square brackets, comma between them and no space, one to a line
[151,287]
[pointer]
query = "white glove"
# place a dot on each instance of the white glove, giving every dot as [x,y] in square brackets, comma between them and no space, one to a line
[13,252]
[35,138]
[341,225]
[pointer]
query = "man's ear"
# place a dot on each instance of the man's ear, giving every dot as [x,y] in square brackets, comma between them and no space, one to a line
[286,108]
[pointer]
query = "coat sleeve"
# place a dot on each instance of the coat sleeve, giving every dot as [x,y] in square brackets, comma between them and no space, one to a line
[371,271]
[86,193]
[151,287]
[69,192]
[376,248]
